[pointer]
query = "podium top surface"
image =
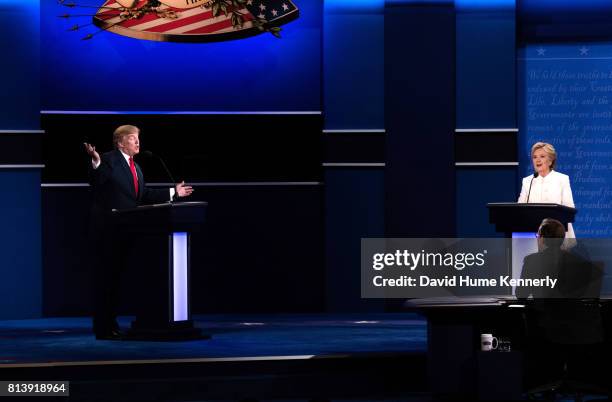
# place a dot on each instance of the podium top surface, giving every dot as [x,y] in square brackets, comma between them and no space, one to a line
[162,218]
[165,205]
[511,217]
[528,206]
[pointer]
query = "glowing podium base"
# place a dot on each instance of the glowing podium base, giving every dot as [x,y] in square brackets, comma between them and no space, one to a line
[164,231]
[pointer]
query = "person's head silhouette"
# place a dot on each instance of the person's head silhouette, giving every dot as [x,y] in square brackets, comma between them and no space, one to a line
[550,234]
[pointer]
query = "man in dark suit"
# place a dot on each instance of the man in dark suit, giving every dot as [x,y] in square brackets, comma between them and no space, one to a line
[563,324]
[575,276]
[117,183]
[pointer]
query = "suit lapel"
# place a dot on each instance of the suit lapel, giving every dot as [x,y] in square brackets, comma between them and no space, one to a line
[140,180]
[127,173]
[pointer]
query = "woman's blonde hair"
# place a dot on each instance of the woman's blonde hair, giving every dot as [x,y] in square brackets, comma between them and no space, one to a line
[550,151]
[123,131]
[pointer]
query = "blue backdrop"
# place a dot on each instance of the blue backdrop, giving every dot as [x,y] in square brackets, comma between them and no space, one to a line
[19,97]
[20,211]
[565,95]
[112,72]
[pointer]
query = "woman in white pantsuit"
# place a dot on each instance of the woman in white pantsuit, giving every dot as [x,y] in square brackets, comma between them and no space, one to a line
[547,185]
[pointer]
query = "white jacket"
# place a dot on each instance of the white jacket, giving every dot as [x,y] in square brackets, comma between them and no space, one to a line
[554,188]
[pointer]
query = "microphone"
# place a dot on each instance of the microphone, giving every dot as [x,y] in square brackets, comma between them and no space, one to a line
[150,154]
[530,183]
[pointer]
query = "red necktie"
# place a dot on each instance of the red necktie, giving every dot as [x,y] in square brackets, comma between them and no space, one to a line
[134,176]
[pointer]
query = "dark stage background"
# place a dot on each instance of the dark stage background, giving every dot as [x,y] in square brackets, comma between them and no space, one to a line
[367,119]
[262,247]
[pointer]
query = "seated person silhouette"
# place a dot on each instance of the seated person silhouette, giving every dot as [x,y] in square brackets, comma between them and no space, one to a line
[576,277]
[563,322]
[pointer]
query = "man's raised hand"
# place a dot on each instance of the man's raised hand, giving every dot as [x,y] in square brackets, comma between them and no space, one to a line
[183,190]
[91,151]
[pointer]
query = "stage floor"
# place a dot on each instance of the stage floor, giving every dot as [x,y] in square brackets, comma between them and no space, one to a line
[269,356]
[70,339]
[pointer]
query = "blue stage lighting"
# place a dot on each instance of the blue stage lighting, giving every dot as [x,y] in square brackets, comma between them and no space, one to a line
[411,2]
[566,4]
[353,5]
[19,4]
[485,4]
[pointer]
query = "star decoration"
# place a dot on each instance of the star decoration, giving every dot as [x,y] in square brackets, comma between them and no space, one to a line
[285,7]
[541,51]
[262,7]
[274,13]
[584,51]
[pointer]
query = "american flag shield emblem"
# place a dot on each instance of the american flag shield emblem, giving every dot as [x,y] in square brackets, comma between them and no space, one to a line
[194,20]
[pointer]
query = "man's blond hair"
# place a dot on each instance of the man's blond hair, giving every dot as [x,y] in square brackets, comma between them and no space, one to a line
[122,132]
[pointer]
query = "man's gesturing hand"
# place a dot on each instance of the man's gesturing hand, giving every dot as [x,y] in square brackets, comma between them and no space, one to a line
[182,190]
[91,151]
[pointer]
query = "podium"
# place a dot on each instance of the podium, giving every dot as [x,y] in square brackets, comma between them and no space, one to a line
[163,232]
[512,217]
[520,222]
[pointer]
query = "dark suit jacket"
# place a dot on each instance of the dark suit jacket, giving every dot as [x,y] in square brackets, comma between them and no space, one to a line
[560,315]
[576,276]
[113,187]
